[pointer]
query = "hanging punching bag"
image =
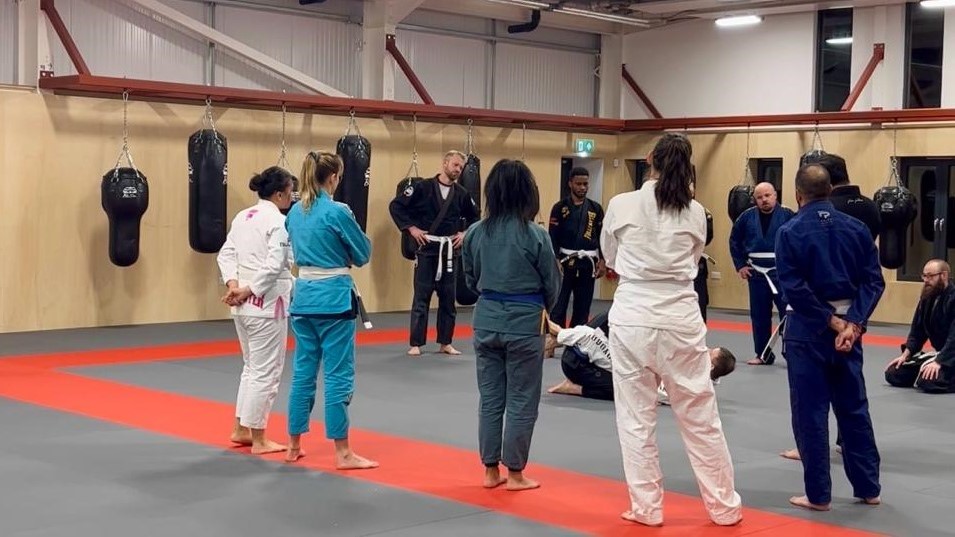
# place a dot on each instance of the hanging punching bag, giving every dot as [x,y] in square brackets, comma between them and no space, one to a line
[409,247]
[740,199]
[709,226]
[898,208]
[355,152]
[208,184]
[124,194]
[811,157]
[471,181]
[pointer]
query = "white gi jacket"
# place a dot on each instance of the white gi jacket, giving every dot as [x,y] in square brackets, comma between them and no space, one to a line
[657,257]
[257,254]
[590,341]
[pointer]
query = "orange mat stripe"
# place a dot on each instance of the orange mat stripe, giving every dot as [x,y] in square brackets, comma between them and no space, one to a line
[568,499]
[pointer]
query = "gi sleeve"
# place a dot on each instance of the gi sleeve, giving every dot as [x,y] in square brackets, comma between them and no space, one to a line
[946,355]
[871,283]
[568,337]
[553,227]
[794,286]
[598,228]
[228,260]
[738,241]
[547,268]
[276,262]
[471,263]
[917,334]
[608,242]
[357,244]
[469,209]
[402,207]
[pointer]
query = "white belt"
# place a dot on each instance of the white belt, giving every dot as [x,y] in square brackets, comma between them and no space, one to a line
[446,250]
[592,255]
[322,273]
[764,270]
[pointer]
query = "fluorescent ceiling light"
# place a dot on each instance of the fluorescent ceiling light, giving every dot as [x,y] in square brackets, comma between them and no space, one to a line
[741,20]
[523,3]
[610,17]
[839,40]
[937,3]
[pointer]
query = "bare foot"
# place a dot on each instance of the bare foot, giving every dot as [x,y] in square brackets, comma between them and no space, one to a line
[791,454]
[351,461]
[628,515]
[871,501]
[267,447]
[756,361]
[802,501]
[448,349]
[414,351]
[294,454]
[516,481]
[492,478]
[566,387]
[243,439]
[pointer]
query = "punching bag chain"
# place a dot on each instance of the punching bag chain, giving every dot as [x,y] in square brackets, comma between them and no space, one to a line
[747,171]
[817,139]
[414,150]
[470,143]
[523,135]
[894,161]
[124,152]
[207,119]
[283,160]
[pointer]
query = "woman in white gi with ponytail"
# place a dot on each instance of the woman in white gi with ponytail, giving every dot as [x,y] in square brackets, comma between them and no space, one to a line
[653,239]
[254,262]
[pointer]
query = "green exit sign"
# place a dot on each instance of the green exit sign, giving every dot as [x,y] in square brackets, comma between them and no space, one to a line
[584,145]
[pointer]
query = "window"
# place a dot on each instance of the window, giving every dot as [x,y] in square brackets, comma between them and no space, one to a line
[768,170]
[924,29]
[833,59]
[928,236]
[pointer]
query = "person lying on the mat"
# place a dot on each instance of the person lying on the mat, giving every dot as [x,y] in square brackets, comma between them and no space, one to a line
[586,361]
[931,372]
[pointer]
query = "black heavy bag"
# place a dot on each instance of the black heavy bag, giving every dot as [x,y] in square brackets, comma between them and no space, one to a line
[898,208]
[740,199]
[124,194]
[352,190]
[471,179]
[208,190]
[409,247]
[811,157]
[709,226]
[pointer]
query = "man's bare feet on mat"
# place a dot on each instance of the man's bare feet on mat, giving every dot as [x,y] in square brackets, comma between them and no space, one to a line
[294,454]
[414,351]
[628,515]
[517,482]
[791,454]
[803,501]
[448,349]
[267,446]
[492,478]
[566,387]
[352,461]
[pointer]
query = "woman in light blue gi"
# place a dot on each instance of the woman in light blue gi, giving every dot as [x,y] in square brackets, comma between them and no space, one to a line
[510,261]
[326,243]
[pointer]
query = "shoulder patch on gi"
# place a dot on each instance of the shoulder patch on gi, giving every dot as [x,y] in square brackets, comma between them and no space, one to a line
[409,191]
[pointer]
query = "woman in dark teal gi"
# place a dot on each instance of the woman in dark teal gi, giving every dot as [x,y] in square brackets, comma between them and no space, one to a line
[510,261]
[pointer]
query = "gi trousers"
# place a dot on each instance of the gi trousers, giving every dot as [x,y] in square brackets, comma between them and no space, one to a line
[329,344]
[580,282]
[819,376]
[263,341]
[509,375]
[595,383]
[642,358]
[907,376]
[425,286]
[761,300]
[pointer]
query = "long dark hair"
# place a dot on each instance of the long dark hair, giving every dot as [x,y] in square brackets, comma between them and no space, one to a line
[671,158]
[510,192]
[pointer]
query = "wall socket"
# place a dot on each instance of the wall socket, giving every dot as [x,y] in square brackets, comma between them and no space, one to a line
[716,276]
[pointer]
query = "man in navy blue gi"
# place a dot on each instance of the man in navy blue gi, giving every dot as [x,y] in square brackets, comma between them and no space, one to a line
[829,275]
[751,246]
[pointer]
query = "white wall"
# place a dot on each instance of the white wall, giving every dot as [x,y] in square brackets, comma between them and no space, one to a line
[697,69]
[452,69]
[884,24]
[8,41]
[537,79]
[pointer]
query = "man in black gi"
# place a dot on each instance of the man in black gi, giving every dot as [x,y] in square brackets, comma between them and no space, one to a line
[931,372]
[435,213]
[575,224]
[846,197]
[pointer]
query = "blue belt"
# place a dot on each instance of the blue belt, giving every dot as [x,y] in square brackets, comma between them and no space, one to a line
[529,298]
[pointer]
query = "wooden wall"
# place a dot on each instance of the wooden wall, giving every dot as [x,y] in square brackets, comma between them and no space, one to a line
[55,270]
[54,267]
